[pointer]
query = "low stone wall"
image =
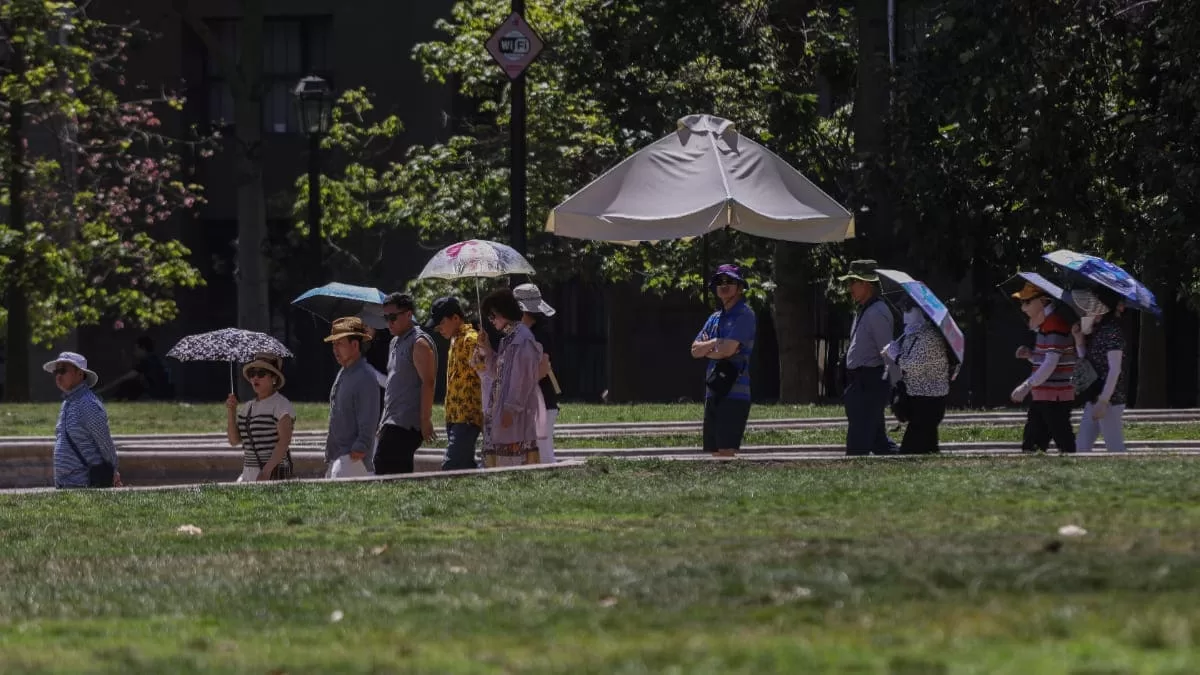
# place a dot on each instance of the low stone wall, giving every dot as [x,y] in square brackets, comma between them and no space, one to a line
[31,464]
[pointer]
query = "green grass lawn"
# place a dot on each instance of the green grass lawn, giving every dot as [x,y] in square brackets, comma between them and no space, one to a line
[37,419]
[1134,431]
[913,566]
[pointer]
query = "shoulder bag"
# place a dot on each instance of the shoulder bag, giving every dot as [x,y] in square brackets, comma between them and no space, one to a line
[99,475]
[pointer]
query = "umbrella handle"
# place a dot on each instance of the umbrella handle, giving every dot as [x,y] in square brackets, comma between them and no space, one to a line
[231,390]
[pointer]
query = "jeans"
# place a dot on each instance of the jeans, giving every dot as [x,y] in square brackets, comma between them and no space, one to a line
[1049,420]
[1109,427]
[460,446]
[395,449]
[866,397]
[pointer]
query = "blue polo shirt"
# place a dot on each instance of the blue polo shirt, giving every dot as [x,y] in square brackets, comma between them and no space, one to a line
[738,323]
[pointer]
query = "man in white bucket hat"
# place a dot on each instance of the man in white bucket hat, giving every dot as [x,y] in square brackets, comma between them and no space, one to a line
[534,312]
[84,452]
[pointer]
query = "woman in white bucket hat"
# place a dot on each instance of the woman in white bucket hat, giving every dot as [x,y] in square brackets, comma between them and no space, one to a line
[536,310]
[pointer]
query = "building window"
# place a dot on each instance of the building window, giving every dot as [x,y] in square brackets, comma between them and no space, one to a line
[292,48]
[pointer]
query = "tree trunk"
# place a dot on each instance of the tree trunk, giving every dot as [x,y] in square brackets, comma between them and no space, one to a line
[252,276]
[18,332]
[799,378]
[871,100]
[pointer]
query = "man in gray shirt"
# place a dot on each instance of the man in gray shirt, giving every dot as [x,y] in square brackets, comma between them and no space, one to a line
[353,403]
[408,393]
[867,390]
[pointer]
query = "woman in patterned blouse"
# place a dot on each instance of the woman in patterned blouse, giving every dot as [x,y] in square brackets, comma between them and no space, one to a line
[1103,342]
[513,410]
[922,357]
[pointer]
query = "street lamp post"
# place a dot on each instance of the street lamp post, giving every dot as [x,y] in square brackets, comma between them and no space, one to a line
[314,104]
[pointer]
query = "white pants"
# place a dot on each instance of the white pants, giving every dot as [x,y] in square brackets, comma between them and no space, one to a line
[249,475]
[1109,427]
[344,467]
[546,445]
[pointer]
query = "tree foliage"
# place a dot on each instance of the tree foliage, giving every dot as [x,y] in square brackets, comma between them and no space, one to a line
[616,77]
[100,175]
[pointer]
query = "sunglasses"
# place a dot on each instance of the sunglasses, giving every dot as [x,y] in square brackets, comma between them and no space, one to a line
[726,281]
[392,317]
[62,370]
[258,372]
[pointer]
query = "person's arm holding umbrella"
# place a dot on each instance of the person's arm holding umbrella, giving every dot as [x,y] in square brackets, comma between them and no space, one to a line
[231,426]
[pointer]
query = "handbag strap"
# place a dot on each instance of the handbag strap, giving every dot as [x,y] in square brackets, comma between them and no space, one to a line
[252,446]
[720,320]
[75,449]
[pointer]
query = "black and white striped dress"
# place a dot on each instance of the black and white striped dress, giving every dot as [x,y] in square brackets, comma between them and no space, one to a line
[258,424]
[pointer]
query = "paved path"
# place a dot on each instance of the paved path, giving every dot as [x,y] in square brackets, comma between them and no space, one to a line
[1005,417]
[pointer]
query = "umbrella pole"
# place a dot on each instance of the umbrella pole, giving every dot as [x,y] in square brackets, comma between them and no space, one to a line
[231,378]
[478,304]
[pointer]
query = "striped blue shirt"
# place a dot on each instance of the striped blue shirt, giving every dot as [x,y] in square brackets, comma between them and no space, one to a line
[83,417]
[738,324]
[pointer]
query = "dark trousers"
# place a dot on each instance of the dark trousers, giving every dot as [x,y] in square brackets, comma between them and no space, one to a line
[866,397]
[1046,421]
[924,417]
[395,449]
[460,446]
[724,423]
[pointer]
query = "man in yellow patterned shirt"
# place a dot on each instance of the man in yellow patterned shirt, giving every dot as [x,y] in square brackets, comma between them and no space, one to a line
[464,395]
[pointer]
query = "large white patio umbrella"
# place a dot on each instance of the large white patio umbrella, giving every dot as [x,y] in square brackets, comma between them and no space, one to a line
[703,177]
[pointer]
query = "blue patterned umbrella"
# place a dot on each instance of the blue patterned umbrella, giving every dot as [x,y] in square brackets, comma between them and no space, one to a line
[1099,272]
[933,308]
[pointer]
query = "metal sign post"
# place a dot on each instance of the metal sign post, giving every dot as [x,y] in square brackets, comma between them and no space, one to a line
[515,45]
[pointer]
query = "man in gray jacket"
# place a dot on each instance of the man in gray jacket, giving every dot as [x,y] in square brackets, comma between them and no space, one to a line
[867,391]
[353,403]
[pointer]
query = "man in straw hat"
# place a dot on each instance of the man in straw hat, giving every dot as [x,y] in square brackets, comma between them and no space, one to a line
[1053,358]
[84,452]
[867,391]
[535,311]
[353,403]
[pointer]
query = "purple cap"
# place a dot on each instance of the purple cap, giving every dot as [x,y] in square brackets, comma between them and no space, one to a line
[731,271]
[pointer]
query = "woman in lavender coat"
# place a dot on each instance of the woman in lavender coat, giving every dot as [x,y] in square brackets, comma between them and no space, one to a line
[513,411]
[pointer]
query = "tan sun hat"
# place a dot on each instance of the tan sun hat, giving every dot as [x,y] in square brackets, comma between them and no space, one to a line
[348,326]
[268,362]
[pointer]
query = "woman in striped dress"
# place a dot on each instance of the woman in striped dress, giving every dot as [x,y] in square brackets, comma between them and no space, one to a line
[262,426]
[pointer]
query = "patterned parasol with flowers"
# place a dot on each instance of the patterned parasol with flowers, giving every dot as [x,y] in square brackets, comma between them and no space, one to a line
[234,345]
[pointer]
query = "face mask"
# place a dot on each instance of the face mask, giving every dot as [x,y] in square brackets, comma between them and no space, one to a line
[914,318]
[1087,323]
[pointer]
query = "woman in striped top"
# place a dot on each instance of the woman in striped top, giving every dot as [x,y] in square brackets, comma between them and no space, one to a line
[263,426]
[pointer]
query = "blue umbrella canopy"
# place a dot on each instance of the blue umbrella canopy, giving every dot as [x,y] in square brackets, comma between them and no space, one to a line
[335,300]
[1090,270]
[933,307]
